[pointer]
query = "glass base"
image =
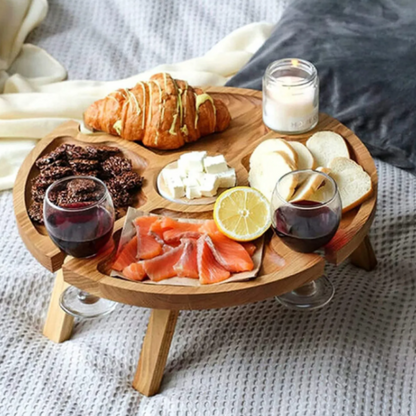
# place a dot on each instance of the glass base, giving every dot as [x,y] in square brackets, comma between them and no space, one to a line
[290,132]
[81,304]
[313,295]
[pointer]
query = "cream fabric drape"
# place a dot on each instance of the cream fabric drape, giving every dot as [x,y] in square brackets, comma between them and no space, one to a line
[35,99]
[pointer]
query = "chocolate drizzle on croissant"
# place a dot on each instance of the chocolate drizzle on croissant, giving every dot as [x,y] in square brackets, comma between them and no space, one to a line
[163,113]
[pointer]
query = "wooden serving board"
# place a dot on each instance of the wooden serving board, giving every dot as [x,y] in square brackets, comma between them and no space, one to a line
[282,269]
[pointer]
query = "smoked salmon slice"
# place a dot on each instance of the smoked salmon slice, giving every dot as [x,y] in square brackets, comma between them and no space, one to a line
[181,230]
[209,227]
[162,225]
[162,267]
[187,266]
[157,229]
[127,255]
[210,271]
[147,245]
[135,271]
[250,247]
[145,223]
[230,254]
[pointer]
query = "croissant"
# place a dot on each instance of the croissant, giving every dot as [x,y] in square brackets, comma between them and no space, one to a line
[163,113]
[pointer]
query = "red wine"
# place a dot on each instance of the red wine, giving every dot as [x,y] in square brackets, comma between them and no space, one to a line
[80,233]
[306,230]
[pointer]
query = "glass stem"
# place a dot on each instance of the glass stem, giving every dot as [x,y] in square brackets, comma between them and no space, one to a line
[87,298]
[309,289]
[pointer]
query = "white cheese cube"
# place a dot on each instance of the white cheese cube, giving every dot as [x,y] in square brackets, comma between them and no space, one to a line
[192,162]
[193,192]
[169,173]
[192,188]
[199,176]
[215,164]
[227,179]
[191,182]
[182,173]
[174,183]
[209,185]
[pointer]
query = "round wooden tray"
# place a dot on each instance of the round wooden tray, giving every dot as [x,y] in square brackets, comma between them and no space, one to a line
[282,269]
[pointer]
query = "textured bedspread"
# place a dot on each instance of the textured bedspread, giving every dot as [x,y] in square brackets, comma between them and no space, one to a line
[357,356]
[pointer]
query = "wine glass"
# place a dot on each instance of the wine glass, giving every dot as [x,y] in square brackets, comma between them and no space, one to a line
[306,223]
[79,218]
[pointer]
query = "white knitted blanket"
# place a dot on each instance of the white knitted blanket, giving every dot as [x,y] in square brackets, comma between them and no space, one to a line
[357,356]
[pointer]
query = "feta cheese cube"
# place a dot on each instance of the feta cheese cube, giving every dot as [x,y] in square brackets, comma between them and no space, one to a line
[193,192]
[215,164]
[170,173]
[209,185]
[182,173]
[192,188]
[174,183]
[192,162]
[227,179]
[190,181]
[199,176]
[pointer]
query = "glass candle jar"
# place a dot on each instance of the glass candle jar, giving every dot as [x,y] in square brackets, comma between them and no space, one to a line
[291,96]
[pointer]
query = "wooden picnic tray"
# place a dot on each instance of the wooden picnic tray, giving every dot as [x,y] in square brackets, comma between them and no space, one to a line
[282,268]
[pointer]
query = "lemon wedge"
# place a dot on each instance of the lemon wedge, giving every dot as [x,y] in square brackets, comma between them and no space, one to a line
[242,213]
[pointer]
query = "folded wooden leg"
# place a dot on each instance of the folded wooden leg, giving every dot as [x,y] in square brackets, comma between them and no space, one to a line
[364,256]
[155,351]
[59,324]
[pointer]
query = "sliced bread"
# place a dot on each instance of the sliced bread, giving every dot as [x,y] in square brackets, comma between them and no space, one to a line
[305,158]
[325,146]
[323,194]
[309,186]
[273,145]
[354,184]
[265,173]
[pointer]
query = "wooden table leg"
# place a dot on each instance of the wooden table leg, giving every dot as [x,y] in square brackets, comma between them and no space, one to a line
[363,256]
[155,350]
[59,324]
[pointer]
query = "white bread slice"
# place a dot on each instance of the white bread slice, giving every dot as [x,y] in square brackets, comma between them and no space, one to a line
[354,184]
[273,145]
[309,186]
[305,158]
[322,194]
[265,173]
[325,146]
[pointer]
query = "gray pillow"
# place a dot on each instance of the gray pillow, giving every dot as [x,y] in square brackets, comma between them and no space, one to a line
[365,53]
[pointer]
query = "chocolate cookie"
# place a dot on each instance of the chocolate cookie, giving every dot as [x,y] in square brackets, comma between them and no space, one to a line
[93,173]
[84,165]
[115,165]
[53,195]
[58,154]
[65,199]
[57,163]
[102,152]
[36,212]
[38,194]
[40,182]
[55,172]
[126,181]
[121,198]
[77,152]
[80,186]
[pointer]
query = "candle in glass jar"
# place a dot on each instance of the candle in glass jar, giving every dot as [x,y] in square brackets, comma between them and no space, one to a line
[290,96]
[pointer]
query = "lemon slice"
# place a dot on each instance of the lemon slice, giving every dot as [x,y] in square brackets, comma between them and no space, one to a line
[242,213]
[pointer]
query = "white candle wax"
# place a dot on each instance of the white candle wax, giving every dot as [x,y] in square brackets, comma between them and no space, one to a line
[289,107]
